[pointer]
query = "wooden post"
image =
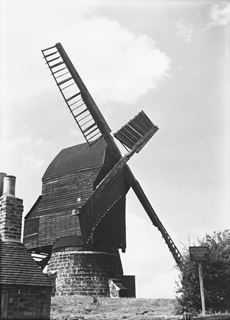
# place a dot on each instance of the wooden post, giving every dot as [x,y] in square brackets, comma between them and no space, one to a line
[201,289]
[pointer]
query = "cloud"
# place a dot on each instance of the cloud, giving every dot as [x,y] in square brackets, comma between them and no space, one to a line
[183,31]
[220,15]
[116,64]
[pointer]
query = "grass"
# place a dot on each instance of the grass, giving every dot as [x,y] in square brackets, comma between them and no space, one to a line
[82,308]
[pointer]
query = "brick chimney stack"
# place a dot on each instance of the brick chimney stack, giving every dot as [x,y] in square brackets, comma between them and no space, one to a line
[2,176]
[11,209]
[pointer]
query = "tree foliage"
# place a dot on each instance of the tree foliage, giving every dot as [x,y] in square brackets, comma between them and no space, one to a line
[216,275]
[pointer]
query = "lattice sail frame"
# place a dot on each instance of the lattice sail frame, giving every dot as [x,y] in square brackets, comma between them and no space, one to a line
[90,121]
[140,128]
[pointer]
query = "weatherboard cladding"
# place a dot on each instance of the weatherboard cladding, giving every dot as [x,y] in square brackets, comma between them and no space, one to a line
[55,214]
[67,184]
[18,267]
[67,192]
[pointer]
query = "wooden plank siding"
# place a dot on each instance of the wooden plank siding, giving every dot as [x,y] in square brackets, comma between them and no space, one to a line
[59,225]
[67,185]
[56,214]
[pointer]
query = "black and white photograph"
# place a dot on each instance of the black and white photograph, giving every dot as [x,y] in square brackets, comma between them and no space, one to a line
[115,159]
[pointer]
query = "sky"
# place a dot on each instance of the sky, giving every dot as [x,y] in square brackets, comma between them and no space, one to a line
[168,58]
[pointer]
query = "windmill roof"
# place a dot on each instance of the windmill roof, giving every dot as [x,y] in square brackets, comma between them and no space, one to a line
[77,158]
[18,267]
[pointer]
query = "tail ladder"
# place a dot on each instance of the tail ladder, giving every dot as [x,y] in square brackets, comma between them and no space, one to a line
[171,245]
[155,220]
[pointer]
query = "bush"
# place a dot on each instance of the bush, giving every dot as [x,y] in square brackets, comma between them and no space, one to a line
[216,274]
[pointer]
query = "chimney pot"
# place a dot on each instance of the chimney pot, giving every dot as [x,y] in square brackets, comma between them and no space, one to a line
[2,175]
[9,186]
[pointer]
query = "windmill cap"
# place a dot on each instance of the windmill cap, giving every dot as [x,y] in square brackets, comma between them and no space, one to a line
[77,158]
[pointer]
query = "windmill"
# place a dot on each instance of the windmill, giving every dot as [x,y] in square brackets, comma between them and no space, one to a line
[104,208]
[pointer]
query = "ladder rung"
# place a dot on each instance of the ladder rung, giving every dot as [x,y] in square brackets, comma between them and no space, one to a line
[71,104]
[77,107]
[91,131]
[61,75]
[48,48]
[94,135]
[48,61]
[79,120]
[64,81]
[50,54]
[83,124]
[77,115]
[69,85]
[80,105]
[89,127]
[56,65]
[74,96]
[59,70]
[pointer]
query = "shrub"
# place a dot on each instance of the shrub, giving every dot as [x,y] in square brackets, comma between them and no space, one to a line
[216,275]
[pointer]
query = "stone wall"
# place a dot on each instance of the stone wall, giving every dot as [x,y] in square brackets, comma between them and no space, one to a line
[25,302]
[84,272]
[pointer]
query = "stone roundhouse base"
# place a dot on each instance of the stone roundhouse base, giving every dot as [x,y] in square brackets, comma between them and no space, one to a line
[83,272]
